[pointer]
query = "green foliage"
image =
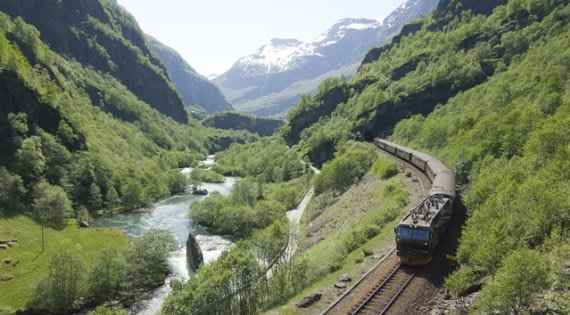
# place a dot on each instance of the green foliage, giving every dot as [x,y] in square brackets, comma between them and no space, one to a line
[513,289]
[220,287]
[264,127]
[269,160]
[105,276]
[98,141]
[207,176]
[352,161]
[146,263]
[50,204]
[384,168]
[58,292]
[105,310]
[11,190]
[30,161]
[508,140]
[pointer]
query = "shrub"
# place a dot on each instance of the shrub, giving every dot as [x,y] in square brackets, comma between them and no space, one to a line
[385,168]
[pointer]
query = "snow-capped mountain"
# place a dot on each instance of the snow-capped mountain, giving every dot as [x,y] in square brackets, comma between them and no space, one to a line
[271,80]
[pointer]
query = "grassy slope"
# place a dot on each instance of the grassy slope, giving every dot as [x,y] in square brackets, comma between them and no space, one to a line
[357,206]
[33,263]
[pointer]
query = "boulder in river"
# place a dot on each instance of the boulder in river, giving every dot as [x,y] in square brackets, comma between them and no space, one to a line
[194,255]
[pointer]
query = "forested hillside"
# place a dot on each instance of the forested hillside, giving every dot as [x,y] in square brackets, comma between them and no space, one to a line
[76,123]
[488,94]
[238,121]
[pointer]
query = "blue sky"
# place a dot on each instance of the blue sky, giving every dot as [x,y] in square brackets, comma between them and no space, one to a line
[212,34]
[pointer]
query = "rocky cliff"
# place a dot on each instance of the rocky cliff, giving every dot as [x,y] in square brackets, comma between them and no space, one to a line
[195,89]
[102,35]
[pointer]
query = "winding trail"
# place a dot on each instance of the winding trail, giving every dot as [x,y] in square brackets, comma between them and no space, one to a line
[294,217]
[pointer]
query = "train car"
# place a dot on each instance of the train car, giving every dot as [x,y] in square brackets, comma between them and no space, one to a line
[419,232]
[404,153]
[443,184]
[420,159]
[389,147]
[435,167]
[380,143]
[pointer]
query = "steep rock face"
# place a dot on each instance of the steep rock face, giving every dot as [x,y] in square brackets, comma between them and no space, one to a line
[447,8]
[194,88]
[270,81]
[100,34]
[194,255]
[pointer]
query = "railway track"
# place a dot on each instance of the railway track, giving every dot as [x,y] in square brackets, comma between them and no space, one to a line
[375,291]
[385,293]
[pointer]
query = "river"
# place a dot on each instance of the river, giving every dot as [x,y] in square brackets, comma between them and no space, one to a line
[171,214]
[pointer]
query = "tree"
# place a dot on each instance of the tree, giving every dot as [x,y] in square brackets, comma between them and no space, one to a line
[11,189]
[146,265]
[18,127]
[59,290]
[132,195]
[105,276]
[112,197]
[522,275]
[50,204]
[29,159]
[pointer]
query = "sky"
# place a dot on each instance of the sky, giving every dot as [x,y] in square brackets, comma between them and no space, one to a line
[213,34]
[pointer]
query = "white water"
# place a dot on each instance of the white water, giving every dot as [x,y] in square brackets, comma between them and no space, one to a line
[172,214]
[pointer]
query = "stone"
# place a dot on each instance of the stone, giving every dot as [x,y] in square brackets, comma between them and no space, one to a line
[6,278]
[309,300]
[345,278]
[4,246]
[340,285]
[83,224]
[194,256]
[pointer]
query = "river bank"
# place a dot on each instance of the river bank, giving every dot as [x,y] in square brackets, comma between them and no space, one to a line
[172,214]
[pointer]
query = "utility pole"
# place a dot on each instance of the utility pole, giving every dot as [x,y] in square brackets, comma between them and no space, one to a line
[42,237]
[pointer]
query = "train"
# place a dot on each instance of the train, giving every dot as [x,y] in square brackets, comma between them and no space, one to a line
[422,228]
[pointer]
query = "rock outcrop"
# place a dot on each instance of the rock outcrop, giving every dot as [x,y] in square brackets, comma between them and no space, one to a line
[194,255]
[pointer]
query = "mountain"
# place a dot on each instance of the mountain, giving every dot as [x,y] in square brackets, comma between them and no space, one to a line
[483,86]
[270,81]
[195,89]
[88,112]
[95,35]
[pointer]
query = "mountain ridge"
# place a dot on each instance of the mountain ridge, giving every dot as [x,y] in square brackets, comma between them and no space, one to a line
[195,89]
[257,83]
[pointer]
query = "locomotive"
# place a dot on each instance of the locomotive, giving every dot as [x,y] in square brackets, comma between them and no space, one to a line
[419,232]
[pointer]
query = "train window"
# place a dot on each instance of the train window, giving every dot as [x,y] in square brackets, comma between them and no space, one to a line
[406,233]
[422,235]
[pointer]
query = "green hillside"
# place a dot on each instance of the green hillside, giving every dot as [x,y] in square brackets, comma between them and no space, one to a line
[489,96]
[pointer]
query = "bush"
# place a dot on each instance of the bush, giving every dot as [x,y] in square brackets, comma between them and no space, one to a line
[207,176]
[59,290]
[385,168]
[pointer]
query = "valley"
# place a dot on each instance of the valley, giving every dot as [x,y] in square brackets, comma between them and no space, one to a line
[97,119]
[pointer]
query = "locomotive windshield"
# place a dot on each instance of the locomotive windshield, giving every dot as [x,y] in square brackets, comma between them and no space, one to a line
[405,233]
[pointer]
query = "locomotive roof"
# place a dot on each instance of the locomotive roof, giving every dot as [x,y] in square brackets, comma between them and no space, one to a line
[423,214]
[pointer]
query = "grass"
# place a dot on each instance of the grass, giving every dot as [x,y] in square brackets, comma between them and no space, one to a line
[33,262]
[372,200]
[350,265]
